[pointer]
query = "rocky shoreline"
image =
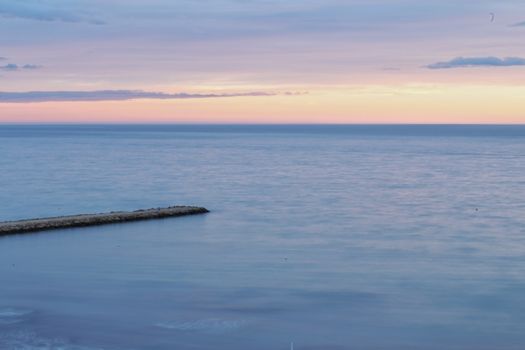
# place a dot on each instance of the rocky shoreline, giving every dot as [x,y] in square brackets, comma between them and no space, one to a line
[45,224]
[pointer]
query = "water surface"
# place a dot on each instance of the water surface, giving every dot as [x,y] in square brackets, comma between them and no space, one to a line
[333,237]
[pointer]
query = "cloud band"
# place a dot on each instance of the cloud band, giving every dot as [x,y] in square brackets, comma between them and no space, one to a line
[117,95]
[461,62]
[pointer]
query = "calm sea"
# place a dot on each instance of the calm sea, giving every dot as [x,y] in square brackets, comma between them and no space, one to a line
[330,237]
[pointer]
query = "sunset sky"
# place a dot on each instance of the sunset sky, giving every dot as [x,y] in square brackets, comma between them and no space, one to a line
[262,61]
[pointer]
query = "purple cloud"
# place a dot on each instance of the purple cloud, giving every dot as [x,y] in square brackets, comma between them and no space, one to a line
[519,24]
[31,66]
[11,67]
[44,11]
[117,95]
[461,62]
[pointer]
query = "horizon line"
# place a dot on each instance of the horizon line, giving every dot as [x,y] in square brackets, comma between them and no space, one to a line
[251,124]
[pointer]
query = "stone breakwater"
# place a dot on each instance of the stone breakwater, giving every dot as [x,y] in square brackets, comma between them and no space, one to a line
[44,224]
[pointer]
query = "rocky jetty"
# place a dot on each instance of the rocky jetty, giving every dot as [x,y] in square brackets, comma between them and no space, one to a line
[34,225]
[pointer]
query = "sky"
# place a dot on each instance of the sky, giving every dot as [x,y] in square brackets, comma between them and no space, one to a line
[262,61]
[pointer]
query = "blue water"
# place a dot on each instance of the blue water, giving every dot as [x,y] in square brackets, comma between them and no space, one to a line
[331,237]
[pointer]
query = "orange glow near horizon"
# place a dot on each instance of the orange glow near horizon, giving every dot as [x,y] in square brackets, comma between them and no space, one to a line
[422,103]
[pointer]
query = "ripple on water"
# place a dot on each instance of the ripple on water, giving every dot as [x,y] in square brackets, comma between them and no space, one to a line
[207,325]
[7,313]
[27,340]
[13,316]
